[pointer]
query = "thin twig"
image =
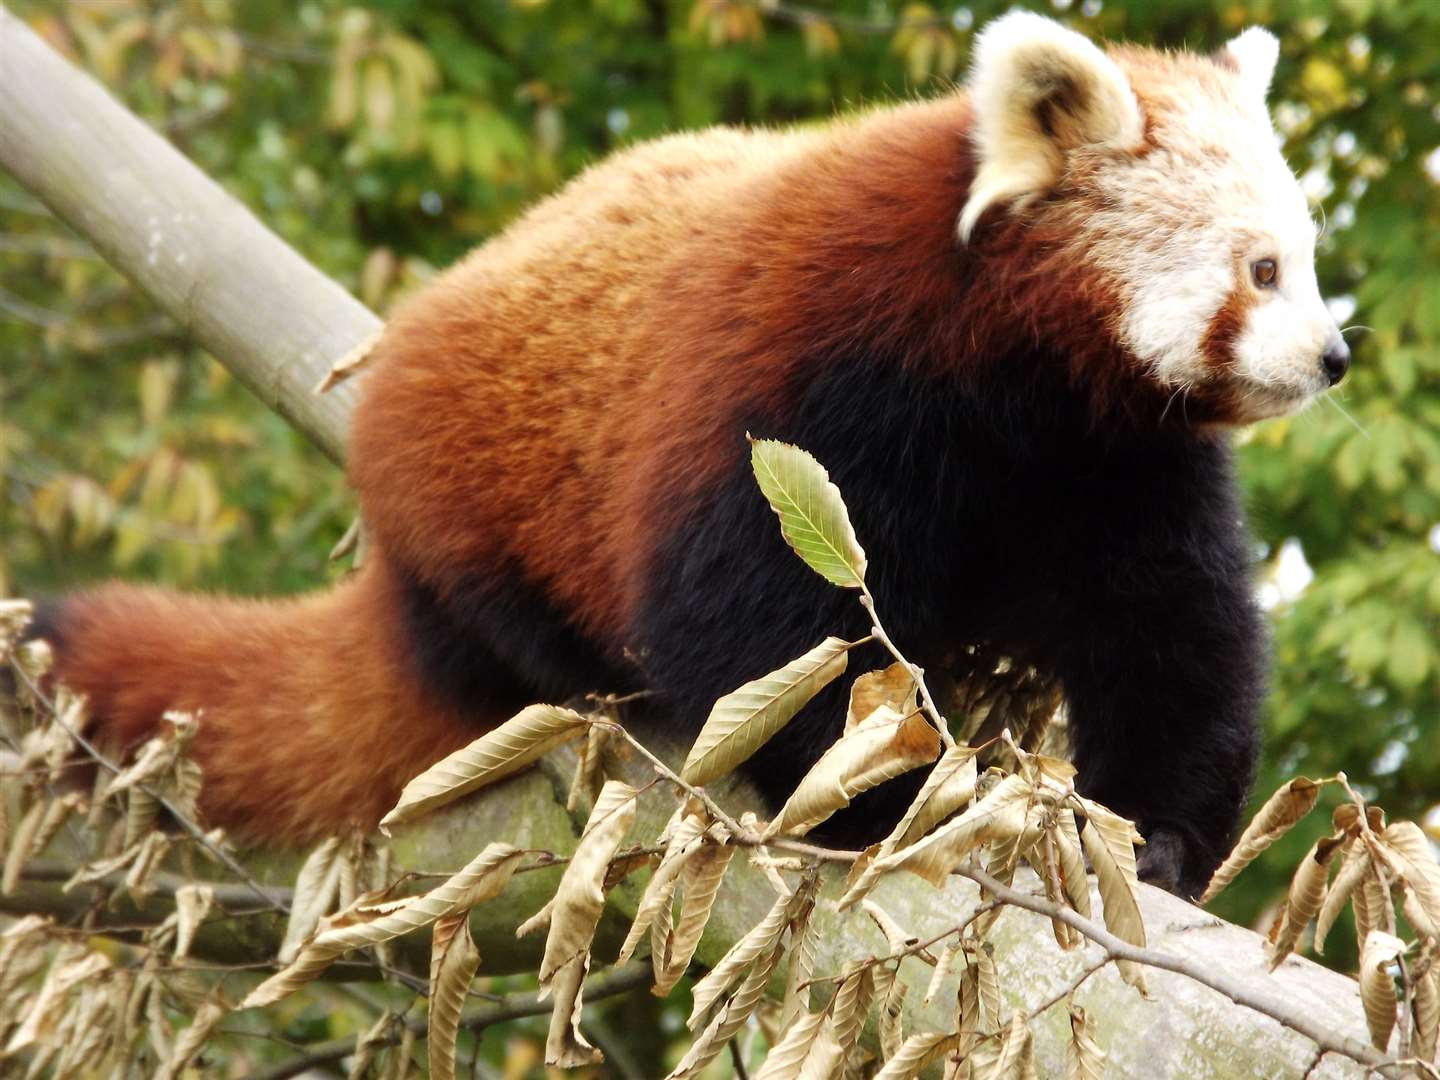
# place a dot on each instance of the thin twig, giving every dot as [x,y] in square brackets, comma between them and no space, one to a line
[512,1007]
[916,672]
[1074,985]
[736,829]
[223,856]
[737,1060]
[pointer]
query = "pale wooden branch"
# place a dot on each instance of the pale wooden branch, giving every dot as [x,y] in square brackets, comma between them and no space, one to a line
[279,324]
[255,303]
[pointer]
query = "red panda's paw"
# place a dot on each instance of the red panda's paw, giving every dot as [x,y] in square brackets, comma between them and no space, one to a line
[1161,862]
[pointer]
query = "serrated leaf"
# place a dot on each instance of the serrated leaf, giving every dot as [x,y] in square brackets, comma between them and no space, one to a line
[760,939]
[918,1053]
[1377,987]
[999,815]
[851,1005]
[882,747]
[1353,871]
[813,518]
[366,923]
[1072,862]
[729,1018]
[1109,841]
[684,841]
[746,719]
[787,1058]
[1084,1060]
[453,962]
[948,787]
[580,896]
[525,737]
[703,873]
[1304,900]
[1281,811]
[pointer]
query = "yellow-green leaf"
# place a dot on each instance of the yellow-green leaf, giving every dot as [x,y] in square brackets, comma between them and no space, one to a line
[746,719]
[813,518]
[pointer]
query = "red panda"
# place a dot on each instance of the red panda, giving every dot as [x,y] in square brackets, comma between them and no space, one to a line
[1014,322]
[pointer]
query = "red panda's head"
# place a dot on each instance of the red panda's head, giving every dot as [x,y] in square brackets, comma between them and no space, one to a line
[1164,175]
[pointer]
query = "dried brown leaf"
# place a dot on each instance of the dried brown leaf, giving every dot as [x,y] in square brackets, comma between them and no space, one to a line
[729,1018]
[1110,842]
[71,966]
[1410,855]
[1427,1014]
[1306,896]
[1279,814]
[370,924]
[787,1058]
[193,1038]
[999,815]
[918,1053]
[1015,1058]
[746,719]
[1377,987]
[1072,861]
[21,845]
[580,897]
[943,967]
[756,943]
[893,687]
[700,881]
[685,839]
[503,751]
[565,1047]
[1084,1060]
[453,962]
[192,903]
[892,1014]
[880,748]
[316,890]
[804,935]
[851,1005]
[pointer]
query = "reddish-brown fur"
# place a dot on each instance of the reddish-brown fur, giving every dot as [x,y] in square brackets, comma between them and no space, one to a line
[566,384]
[309,717]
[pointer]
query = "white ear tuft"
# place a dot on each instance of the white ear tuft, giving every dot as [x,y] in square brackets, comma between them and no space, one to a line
[1253,54]
[1040,90]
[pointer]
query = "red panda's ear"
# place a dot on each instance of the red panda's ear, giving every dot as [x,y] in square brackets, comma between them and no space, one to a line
[1252,54]
[1039,90]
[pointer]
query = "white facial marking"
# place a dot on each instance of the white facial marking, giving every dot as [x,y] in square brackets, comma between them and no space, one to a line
[1180,227]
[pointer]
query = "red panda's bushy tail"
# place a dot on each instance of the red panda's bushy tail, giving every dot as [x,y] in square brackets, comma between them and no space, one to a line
[310,715]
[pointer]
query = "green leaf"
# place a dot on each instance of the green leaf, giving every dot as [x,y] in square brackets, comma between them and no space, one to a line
[745,720]
[813,518]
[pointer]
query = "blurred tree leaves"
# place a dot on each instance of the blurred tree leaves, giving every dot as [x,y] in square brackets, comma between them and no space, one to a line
[384,139]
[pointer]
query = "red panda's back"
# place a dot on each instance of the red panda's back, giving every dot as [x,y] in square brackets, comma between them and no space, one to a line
[491,430]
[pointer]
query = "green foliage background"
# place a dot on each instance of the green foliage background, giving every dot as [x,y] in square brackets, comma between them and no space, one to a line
[384,139]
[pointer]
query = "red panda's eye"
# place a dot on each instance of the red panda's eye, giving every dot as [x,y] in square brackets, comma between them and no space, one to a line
[1264,272]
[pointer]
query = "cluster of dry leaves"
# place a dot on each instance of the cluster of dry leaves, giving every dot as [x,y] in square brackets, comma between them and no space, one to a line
[1021,806]
[1382,869]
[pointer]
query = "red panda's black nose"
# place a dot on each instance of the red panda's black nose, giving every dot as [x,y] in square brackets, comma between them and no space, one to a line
[1335,360]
